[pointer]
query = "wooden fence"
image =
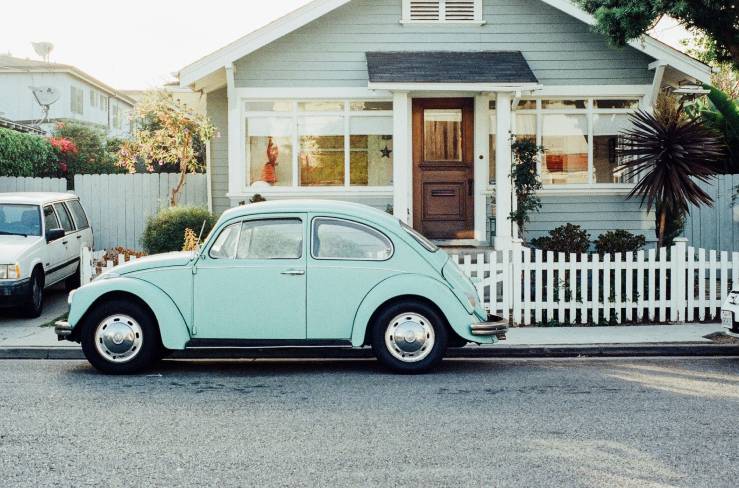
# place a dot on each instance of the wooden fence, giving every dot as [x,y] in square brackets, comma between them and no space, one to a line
[13,184]
[119,205]
[677,284]
[716,227]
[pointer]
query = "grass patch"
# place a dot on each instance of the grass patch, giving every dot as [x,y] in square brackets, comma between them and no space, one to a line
[52,322]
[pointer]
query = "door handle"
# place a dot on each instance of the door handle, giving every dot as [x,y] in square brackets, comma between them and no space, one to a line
[294,272]
[79,237]
[65,242]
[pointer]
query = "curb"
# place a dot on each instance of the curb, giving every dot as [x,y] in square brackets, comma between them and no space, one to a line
[470,352]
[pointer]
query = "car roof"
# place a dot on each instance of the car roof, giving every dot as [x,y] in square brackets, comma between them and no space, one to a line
[35,198]
[348,209]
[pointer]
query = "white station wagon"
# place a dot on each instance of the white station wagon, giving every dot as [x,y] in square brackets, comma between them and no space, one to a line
[41,236]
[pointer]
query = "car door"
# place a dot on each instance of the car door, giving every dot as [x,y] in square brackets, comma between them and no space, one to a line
[250,284]
[55,250]
[71,240]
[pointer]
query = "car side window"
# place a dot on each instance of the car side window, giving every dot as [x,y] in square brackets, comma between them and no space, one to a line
[64,218]
[343,239]
[78,213]
[271,239]
[225,245]
[50,220]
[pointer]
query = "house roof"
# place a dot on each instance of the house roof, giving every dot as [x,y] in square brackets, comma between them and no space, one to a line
[449,67]
[16,126]
[13,64]
[230,53]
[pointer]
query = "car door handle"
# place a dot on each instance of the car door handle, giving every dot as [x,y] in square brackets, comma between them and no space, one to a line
[79,237]
[294,272]
[65,242]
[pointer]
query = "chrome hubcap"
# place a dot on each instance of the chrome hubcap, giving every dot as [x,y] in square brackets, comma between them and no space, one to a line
[410,337]
[118,338]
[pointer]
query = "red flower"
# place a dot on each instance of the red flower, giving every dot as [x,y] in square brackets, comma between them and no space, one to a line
[64,146]
[63,167]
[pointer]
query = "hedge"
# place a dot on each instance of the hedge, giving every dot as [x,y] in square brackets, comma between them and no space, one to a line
[165,231]
[25,154]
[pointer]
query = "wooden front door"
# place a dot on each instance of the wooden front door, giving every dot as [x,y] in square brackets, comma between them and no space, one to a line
[443,145]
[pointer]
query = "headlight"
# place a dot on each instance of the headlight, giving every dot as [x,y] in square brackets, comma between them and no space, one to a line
[10,271]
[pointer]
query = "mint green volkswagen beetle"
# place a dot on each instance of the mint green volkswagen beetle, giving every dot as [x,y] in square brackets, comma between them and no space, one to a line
[280,274]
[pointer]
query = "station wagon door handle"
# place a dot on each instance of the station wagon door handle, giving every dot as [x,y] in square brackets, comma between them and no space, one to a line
[294,272]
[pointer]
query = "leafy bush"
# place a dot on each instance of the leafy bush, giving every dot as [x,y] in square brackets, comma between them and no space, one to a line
[566,238]
[25,154]
[619,241]
[165,231]
[93,153]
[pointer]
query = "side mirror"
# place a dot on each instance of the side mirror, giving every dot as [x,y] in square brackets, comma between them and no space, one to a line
[54,234]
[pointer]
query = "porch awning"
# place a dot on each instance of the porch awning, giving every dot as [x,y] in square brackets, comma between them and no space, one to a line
[452,67]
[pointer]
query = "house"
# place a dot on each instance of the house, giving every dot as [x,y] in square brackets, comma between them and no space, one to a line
[80,97]
[409,105]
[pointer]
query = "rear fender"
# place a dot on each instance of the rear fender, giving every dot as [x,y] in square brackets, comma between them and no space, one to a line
[172,326]
[419,285]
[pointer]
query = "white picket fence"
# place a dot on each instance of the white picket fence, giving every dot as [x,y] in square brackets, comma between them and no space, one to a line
[659,285]
[14,184]
[531,287]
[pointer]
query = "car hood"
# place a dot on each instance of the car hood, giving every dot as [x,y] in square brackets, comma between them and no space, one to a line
[13,247]
[166,260]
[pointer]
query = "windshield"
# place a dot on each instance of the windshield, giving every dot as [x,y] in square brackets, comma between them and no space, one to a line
[427,244]
[21,220]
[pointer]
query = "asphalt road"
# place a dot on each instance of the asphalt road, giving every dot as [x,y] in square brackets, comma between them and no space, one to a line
[623,423]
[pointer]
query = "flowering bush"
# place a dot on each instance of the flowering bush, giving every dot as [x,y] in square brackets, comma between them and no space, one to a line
[66,152]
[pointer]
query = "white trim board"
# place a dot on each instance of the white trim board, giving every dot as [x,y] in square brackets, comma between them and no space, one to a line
[317,8]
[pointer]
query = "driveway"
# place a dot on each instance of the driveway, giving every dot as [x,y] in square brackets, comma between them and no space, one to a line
[16,329]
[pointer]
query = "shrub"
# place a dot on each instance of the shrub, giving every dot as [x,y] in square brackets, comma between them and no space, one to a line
[566,238]
[165,231]
[26,154]
[93,153]
[619,241]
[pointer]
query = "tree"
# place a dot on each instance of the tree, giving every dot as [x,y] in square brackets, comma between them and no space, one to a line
[720,113]
[725,76]
[167,135]
[666,153]
[92,155]
[625,20]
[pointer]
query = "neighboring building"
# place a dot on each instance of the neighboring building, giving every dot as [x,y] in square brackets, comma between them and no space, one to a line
[409,105]
[82,97]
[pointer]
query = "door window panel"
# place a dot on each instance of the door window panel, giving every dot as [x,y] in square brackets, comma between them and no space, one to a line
[442,135]
[78,213]
[64,218]
[225,245]
[343,239]
[50,220]
[271,239]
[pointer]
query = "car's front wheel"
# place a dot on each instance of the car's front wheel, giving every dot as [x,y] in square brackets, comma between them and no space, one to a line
[120,337]
[409,337]
[34,302]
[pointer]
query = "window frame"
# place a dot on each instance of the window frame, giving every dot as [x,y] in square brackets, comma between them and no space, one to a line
[590,111]
[295,114]
[407,19]
[314,221]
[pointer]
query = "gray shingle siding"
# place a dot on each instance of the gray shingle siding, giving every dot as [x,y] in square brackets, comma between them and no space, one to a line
[217,108]
[330,51]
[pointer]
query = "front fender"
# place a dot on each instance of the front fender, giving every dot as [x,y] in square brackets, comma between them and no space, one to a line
[420,285]
[172,326]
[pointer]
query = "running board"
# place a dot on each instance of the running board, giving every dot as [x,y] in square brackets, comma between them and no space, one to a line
[263,343]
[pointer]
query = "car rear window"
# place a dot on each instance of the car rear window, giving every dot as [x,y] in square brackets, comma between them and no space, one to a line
[78,213]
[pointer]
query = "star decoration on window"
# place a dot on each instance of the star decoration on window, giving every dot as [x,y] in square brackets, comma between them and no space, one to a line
[386,152]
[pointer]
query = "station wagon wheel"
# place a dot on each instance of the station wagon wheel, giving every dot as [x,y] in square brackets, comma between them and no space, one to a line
[34,303]
[409,336]
[120,337]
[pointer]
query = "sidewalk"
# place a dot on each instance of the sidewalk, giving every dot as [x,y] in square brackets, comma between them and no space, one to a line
[21,338]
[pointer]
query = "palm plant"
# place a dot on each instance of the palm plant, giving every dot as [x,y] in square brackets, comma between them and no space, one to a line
[668,156]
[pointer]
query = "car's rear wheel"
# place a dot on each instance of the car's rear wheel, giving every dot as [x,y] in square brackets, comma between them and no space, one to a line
[120,337]
[409,337]
[34,302]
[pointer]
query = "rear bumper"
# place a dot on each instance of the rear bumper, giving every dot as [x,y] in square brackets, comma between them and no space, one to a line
[495,326]
[14,293]
[63,330]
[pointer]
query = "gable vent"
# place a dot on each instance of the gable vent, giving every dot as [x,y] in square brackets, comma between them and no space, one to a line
[442,11]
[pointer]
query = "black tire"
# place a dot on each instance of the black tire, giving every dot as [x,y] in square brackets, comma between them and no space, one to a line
[145,355]
[73,282]
[391,316]
[34,303]
[455,341]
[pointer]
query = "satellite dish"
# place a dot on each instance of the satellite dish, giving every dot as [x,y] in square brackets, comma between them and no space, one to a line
[43,49]
[45,96]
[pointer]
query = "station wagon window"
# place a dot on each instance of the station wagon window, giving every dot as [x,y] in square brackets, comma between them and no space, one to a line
[344,239]
[225,245]
[78,213]
[64,218]
[271,239]
[50,220]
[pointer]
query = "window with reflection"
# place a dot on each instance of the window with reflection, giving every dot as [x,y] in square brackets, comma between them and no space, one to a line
[321,158]
[565,141]
[371,151]
[606,130]
[269,151]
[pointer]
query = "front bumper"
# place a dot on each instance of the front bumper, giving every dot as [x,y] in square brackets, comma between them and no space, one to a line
[495,326]
[63,330]
[14,293]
